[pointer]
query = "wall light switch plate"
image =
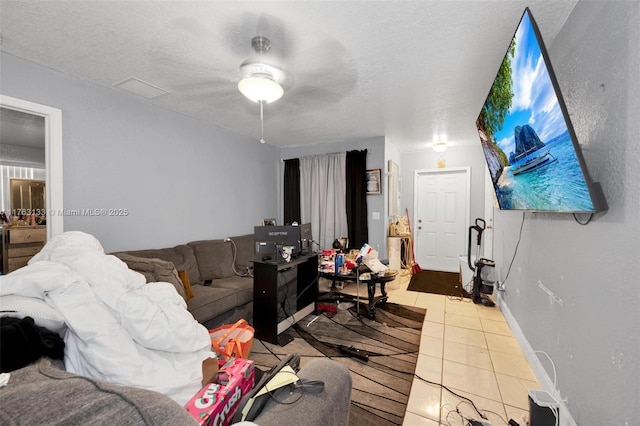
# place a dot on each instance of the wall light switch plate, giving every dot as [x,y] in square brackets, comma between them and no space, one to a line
[375,215]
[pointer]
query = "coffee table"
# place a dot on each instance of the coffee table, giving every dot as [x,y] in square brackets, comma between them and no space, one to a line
[371,282]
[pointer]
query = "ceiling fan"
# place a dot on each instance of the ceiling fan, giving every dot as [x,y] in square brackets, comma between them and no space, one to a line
[201,65]
[260,81]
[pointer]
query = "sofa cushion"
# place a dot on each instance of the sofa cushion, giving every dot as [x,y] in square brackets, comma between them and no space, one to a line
[214,257]
[246,249]
[154,270]
[181,256]
[210,301]
[242,286]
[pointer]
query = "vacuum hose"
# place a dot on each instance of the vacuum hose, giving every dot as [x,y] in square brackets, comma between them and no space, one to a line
[479,227]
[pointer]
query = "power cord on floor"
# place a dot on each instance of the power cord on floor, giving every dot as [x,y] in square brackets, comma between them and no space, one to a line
[483,416]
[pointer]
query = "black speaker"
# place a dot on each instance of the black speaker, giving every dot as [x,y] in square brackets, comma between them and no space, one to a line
[540,409]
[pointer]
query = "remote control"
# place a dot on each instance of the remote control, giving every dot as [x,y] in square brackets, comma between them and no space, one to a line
[356,353]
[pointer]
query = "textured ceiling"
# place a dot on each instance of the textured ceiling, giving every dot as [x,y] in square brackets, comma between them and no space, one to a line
[407,70]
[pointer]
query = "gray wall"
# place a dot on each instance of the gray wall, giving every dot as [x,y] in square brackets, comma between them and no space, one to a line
[593,338]
[180,179]
[375,147]
[455,156]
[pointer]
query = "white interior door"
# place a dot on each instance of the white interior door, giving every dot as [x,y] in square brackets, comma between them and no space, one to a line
[441,218]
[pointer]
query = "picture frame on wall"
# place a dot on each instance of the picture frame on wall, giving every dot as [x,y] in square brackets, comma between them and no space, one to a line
[374,182]
[269,222]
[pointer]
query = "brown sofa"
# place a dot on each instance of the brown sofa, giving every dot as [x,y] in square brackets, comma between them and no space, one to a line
[222,288]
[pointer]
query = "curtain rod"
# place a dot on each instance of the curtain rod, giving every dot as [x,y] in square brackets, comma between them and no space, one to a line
[320,155]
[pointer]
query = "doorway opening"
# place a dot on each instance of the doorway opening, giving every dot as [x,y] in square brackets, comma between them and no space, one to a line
[53,157]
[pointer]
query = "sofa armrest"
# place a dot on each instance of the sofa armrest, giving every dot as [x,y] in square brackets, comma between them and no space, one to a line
[44,394]
[154,270]
[329,407]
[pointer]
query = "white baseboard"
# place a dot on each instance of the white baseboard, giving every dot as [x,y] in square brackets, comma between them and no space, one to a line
[534,362]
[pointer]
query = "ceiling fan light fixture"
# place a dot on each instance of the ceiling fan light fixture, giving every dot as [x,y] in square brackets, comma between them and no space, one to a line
[260,88]
[439,146]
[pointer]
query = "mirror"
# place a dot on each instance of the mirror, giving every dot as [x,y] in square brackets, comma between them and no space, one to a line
[28,197]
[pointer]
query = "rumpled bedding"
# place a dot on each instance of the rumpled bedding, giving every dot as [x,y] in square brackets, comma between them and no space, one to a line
[119,328]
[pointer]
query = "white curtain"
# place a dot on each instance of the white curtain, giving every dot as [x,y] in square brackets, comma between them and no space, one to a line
[322,196]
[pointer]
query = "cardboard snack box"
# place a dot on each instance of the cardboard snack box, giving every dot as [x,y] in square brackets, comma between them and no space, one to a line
[216,403]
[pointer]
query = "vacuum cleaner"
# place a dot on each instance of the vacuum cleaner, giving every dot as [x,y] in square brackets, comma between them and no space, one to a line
[480,286]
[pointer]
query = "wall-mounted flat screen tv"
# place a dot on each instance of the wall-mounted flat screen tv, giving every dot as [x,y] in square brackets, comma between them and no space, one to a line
[528,141]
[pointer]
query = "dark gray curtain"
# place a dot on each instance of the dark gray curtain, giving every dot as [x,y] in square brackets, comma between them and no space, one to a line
[292,191]
[356,198]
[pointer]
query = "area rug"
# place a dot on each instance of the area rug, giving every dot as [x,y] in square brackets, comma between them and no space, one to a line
[437,282]
[381,385]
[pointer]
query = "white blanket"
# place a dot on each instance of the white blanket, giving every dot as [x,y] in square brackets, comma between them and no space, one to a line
[119,329]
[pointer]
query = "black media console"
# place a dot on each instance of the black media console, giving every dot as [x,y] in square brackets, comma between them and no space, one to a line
[283,294]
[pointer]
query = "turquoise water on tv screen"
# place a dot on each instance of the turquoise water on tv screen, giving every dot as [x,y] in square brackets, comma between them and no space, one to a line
[558,186]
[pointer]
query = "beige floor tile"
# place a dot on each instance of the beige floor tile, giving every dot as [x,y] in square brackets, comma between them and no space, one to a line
[411,419]
[431,346]
[493,410]
[470,379]
[465,336]
[435,315]
[512,365]
[463,321]
[461,307]
[433,329]
[468,355]
[434,301]
[403,298]
[429,368]
[519,415]
[499,343]
[424,400]
[495,327]
[514,390]
[492,313]
[471,349]
[420,303]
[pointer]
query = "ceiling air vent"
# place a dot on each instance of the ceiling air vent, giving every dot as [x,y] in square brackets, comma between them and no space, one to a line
[142,88]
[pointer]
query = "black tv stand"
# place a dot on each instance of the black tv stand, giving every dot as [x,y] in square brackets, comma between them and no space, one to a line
[278,305]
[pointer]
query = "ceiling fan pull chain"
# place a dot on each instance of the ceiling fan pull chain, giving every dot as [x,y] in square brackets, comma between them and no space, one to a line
[262,122]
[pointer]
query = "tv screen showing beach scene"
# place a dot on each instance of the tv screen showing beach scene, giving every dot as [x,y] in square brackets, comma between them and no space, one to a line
[533,158]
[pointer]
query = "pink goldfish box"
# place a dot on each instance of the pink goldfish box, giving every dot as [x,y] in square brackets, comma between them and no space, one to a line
[216,403]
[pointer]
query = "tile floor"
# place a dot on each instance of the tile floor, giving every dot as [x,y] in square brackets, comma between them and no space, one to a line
[470,350]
